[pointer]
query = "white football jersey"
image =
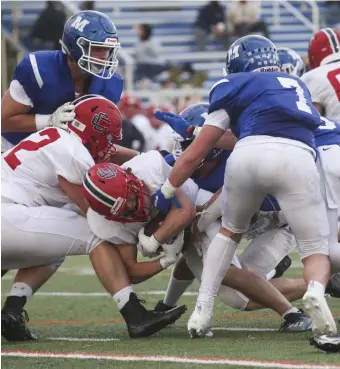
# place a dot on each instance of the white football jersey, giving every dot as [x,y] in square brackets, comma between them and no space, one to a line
[153,170]
[324,85]
[30,170]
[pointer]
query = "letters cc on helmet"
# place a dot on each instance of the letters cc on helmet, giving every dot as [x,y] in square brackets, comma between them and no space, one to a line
[108,188]
[98,123]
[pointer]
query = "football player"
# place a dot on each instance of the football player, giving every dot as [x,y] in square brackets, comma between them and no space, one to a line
[323,80]
[273,117]
[45,82]
[41,180]
[116,216]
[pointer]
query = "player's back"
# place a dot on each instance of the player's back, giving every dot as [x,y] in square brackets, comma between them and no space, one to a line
[324,85]
[266,103]
[30,169]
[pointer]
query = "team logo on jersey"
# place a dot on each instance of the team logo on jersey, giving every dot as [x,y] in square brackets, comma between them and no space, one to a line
[107,172]
[100,122]
[80,23]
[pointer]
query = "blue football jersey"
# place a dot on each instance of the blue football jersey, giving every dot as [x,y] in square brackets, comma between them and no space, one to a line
[46,79]
[266,103]
[328,133]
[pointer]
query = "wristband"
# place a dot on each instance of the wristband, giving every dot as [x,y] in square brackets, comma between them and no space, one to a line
[42,121]
[168,190]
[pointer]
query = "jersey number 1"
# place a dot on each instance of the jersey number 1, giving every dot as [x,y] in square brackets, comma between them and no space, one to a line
[302,101]
[27,145]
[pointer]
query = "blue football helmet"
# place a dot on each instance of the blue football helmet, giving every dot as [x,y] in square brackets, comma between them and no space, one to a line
[195,115]
[252,53]
[291,62]
[84,34]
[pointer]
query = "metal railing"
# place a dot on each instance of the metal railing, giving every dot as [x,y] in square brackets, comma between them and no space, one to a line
[313,24]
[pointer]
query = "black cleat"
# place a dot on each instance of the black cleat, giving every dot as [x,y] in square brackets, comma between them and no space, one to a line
[333,286]
[13,326]
[327,343]
[296,322]
[282,266]
[143,323]
[161,307]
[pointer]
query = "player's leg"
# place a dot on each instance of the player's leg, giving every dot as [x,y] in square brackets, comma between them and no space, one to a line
[40,236]
[267,249]
[242,197]
[298,193]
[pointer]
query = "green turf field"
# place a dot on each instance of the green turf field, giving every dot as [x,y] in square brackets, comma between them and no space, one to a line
[86,331]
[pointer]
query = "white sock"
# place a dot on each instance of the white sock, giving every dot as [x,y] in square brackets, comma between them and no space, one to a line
[317,286]
[271,274]
[291,310]
[122,297]
[21,289]
[176,288]
[219,256]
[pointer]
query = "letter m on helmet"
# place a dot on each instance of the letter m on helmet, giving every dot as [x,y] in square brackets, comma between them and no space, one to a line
[80,24]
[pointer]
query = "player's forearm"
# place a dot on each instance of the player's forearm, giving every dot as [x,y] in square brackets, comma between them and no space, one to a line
[123,155]
[140,272]
[177,219]
[19,123]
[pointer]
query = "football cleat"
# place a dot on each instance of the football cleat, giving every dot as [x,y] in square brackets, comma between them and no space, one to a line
[296,322]
[316,307]
[13,326]
[283,266]
[333,286]
[161,307]
[143,323]
[199,324]
[327,343]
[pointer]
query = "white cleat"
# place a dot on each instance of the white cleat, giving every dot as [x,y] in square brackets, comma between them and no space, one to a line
[199,324]
[316,307]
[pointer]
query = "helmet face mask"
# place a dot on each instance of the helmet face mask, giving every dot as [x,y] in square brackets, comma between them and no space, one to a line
[103,68]
[115,193]
[195,115]
[85,34]
[291,62]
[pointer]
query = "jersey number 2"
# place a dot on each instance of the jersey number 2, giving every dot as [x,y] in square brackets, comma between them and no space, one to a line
[302,101]
[27,145]
[334,78]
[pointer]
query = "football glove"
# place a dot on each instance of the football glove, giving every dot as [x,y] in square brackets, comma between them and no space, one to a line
[147,246]
[177,123]
[62,116]
[172,250]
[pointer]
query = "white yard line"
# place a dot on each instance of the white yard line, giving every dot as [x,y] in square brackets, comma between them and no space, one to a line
[173,359]
[96,294]
[240,329]
[75,339]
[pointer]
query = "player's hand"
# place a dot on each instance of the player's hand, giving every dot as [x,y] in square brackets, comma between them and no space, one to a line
[147,246]
[163,204]
[62,116]
[177,123]
[172,250]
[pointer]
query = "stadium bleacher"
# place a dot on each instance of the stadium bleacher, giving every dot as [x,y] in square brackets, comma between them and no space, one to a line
[172,23]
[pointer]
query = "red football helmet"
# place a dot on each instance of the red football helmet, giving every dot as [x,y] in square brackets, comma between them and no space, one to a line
[324,44]
[98,123]
[117,194]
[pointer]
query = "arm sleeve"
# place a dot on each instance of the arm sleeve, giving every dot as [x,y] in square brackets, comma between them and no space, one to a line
[219,119]
[18,93]
[223,95]
[27,75]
